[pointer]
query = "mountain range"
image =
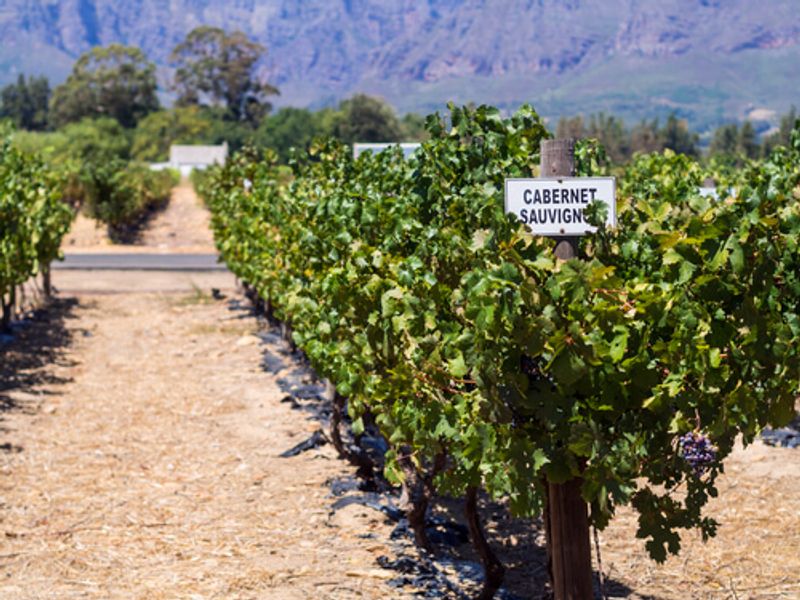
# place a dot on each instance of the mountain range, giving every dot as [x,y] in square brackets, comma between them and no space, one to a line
[707,60]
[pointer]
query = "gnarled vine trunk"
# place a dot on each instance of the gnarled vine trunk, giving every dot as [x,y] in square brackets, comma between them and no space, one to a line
[493,568]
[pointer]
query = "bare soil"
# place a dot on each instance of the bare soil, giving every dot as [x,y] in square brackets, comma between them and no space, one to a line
[140,460]
[69,282]
[139,443]
[182,226]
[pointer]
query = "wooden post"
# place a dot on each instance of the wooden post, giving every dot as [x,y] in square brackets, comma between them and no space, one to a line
[47,283]
[5,317]
[566,515]
[558,160]
[12,303]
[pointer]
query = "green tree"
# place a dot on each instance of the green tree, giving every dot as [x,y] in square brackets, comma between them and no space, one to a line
[25,103]
[237,134]
[781,137]
[645,137]
[607,129]
[364,118]
[571,127]
[725,140]
[87,141]
[610,131]
[94,141]
[735,144]
[676,136]
[114,81]
[220,68]
[414,127]
[747,143]
[292,128]
[159,130]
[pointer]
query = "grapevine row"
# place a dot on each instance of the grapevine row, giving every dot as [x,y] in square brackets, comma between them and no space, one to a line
[33,220]
[488,363]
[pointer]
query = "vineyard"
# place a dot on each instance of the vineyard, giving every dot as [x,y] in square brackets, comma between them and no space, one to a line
[488,365]
[91,162]
[34,220]
[419,398]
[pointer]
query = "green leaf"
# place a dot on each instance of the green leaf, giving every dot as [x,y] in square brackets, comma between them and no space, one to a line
[618,346]
[558,470]
[581,440]
[568,367]
[457,366]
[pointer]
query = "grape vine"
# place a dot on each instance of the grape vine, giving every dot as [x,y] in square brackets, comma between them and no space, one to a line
[697,451]
[33,221]
[434,312]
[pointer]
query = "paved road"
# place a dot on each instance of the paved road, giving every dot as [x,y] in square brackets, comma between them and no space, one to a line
[139,262]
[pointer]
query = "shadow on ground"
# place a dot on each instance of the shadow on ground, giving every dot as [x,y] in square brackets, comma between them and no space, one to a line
[454,571]
[36,344]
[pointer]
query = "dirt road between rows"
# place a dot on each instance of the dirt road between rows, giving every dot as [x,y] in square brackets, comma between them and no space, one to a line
[140,460]
[182,226]
[140,440]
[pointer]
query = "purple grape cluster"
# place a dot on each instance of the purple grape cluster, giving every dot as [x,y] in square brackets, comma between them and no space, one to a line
[697,450]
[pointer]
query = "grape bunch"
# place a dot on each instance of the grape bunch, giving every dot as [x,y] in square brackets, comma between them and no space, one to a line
[697,450]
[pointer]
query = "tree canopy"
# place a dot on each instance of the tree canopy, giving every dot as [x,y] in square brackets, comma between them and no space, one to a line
[367,119]
[92,141]
[676,136]
[621,144]
[220,68]
[25,102]
[607,129]
[293,128]
[157,131]
[735,144]
[781,136]
[114,81]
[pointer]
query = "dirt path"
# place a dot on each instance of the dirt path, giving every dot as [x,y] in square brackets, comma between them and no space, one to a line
[139,443]
[140,460]
[180,227]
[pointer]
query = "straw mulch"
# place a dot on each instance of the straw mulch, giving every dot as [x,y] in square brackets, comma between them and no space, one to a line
[755,555]
[146,466]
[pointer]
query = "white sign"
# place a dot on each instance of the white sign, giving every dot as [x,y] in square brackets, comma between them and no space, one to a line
[714,193]
[706,192]
[556,206]
[408,148]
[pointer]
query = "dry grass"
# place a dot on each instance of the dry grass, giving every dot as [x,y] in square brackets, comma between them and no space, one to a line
[756,553]
[154,474]
[139,460]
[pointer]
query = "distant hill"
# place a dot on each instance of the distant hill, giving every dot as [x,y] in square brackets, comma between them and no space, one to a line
[708,60]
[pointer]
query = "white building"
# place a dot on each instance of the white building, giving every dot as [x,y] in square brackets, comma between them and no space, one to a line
[187,158]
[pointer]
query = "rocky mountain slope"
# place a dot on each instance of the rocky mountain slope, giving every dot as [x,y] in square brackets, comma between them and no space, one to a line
[707,59]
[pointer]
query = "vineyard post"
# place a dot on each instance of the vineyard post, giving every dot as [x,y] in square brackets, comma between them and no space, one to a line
[566,515]
[47,282]
[5,315]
